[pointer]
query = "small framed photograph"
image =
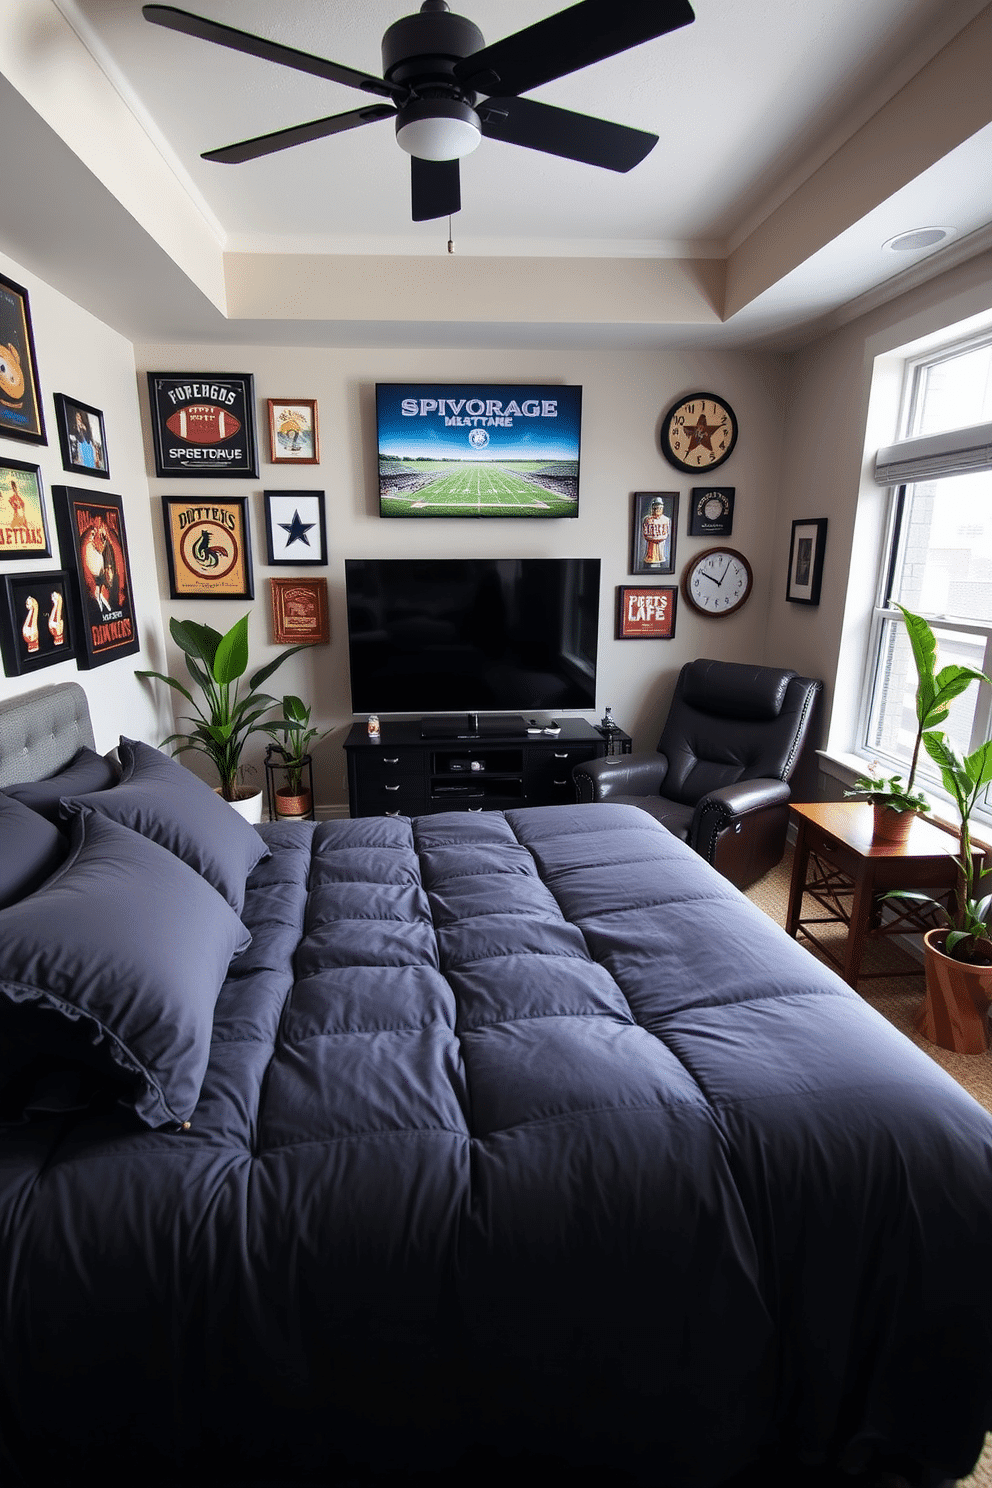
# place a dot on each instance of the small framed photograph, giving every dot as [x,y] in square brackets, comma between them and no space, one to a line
[655,514]
[23,524]
[300,614]
[646,614]
[208,547]
[295,531]
[293,438]
[36,628]
[203,424]
[809,538]
[93,541]
[21,415]
[81,437]
[711,511]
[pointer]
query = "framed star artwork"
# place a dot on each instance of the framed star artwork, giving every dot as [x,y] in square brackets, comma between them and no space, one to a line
[295,530]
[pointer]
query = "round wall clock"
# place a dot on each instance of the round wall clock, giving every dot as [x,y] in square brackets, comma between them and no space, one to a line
[698,432]
[717,581]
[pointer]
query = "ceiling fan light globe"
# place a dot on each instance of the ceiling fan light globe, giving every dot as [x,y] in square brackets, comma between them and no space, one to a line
[440,129]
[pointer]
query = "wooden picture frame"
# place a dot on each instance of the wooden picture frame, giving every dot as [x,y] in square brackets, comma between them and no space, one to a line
[36,625]
[208,547]
[21,413]
[646,612]
[300,614]
[94,547]
[653,531]
[23,523]
[809,539]
[203,424]
[295,528]
[83,446]
[293,434]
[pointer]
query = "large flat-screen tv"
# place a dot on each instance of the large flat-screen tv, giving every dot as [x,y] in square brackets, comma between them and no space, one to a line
[472,635]
[477,450]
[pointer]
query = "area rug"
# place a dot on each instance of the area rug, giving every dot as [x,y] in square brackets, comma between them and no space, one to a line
[896,997]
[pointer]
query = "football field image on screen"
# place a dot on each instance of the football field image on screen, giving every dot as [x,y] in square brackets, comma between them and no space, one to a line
[478,451]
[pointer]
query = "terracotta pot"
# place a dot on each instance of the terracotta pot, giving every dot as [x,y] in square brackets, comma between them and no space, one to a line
[955,1011]
[890,825]
[292,803]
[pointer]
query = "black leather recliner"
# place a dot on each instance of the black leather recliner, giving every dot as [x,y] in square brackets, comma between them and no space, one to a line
[734,738]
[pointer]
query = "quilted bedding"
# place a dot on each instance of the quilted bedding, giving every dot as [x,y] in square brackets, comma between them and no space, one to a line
[518,1129]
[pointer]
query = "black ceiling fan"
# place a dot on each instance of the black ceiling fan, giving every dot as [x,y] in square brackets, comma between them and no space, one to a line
[436,65]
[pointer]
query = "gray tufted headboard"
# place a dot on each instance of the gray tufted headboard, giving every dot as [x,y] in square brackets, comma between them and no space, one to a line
[40,732]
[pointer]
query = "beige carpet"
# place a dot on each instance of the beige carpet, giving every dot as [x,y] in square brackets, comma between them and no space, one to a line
[897,998]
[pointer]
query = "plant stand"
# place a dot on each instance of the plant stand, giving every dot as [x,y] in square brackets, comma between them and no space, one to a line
[286,802]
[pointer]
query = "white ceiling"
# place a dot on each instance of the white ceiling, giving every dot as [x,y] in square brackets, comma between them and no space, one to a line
[749,101]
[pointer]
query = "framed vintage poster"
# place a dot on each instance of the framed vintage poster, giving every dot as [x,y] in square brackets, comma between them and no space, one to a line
[36,629]
[295,530]
[208,547]
[21,415]
[711,511]
[299,612]
[293,437]
[23,524]
[809,538]
[93,540]
[203,424]
[655,514]
[81,437]
[646,614]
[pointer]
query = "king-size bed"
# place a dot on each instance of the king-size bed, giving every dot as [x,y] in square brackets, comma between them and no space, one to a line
[350,1151]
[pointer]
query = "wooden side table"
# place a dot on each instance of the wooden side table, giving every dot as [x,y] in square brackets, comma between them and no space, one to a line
[845,873]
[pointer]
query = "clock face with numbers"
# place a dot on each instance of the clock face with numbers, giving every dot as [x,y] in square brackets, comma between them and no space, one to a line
[698,432]
[717,582]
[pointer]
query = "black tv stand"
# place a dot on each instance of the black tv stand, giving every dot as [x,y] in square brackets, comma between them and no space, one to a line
[473,726]
[410,773]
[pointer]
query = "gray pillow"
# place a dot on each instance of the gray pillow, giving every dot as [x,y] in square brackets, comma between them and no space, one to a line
[117,962]
[31,849]
[164,801]
[87,771]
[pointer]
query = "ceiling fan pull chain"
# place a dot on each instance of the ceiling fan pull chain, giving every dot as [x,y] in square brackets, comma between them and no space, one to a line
[451,245]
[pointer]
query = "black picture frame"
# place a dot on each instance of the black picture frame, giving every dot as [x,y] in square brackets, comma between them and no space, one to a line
[36,621]
[711,511]
[23,520]
[84,448]
[653,532]
[21,413]
[94,547]
[203,425]
[295,529]
[809,539]
[208,547]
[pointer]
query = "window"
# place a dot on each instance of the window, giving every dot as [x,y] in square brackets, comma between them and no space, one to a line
[938,559]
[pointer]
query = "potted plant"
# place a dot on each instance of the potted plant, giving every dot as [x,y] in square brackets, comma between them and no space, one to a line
[229,715]
[896,804]
[292,798]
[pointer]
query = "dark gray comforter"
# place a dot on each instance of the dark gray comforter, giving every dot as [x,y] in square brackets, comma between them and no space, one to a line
[525,1130]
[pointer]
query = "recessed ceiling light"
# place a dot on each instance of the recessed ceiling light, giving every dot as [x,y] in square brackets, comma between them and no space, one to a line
[918,239]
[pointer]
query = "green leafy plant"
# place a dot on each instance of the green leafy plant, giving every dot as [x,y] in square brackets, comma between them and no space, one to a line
[229,714]
[888,790]
[296,734]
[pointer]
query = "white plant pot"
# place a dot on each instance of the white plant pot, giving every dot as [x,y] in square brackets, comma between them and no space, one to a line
[248,805]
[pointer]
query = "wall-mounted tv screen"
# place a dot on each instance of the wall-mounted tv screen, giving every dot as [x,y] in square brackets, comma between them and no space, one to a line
[477,450]
[460,635]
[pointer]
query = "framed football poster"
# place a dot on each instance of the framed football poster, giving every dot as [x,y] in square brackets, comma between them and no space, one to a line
[203,424]
[93,543]
[208,545]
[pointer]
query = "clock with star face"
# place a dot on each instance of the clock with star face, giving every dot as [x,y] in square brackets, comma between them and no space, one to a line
[698,432]
[717,582]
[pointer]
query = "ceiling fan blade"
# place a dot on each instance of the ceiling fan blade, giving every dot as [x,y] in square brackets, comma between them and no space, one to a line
[299,134]
[573,38]
[539,126]
[269,51]
[435,188]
